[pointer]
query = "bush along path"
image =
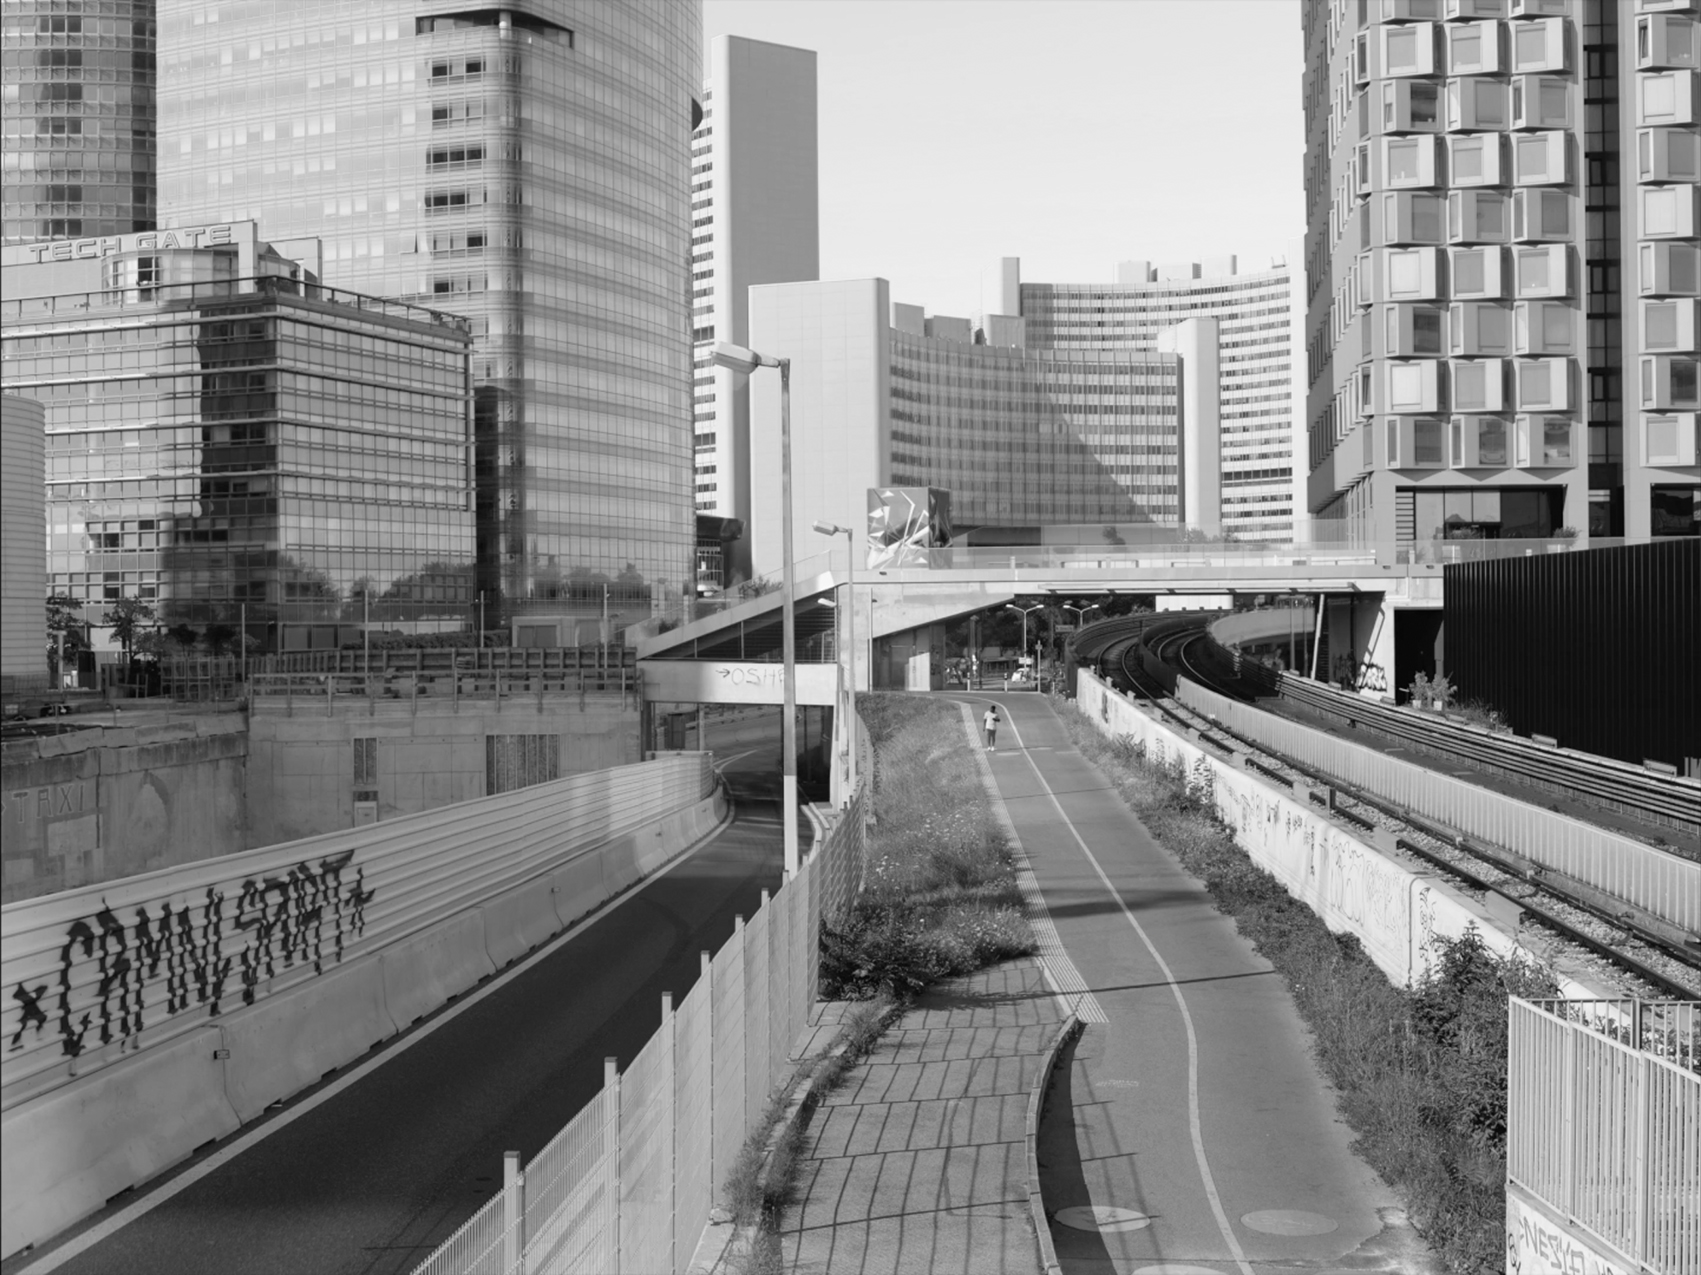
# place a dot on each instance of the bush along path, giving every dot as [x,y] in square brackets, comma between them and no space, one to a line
[1420,1074]
[940,899]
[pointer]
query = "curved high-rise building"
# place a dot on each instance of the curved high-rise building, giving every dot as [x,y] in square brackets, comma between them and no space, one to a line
[78,119]
[527,166]
[1257,330]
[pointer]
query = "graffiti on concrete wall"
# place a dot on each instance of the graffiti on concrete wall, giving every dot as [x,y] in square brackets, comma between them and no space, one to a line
[1536,1245]
[113,971]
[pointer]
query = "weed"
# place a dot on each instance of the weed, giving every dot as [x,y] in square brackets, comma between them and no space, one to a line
[1420,1075]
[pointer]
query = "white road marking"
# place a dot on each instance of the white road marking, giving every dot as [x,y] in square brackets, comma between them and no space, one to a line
[1209,1181]
[224,1155]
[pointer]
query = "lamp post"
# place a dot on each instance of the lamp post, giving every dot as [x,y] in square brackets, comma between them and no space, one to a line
[1080,612]
[833,529]
[1038,606]
[736,358]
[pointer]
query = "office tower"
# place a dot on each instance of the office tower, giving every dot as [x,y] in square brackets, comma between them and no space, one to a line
[78,118]
[528,168]
[23,615]
[1502,268]
[1257,326]
[886,395]
[755,219]
[237,446]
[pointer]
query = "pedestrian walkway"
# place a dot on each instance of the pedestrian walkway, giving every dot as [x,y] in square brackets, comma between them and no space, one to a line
[1192,1133]
[918,1161]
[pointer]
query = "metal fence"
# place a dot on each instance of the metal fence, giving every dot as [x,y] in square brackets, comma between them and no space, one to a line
[627,1185]
[1659,883]
[1603,1122]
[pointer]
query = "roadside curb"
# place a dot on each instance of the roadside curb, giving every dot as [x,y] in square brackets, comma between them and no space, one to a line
[1070,1029]
[721,1237]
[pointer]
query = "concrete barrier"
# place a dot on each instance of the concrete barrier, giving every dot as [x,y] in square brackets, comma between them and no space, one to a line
[66,1154]
[291,1039]
[423,972]
[518,920]
[578,887]
[1396,912]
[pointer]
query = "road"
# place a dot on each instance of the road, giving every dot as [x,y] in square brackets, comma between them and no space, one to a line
[1196,1113]
[371,1179]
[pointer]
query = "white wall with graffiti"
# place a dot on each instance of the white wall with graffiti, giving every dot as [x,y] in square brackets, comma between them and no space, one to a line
[146,1016]
[1396,912]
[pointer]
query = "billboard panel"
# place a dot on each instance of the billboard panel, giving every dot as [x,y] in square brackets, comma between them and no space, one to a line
[904,523]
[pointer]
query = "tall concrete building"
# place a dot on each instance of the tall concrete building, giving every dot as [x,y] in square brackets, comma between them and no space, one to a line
[1253,316]
[525,166]
[1502,268]
[887,395]
[23,575]
[78,117]
[755,219]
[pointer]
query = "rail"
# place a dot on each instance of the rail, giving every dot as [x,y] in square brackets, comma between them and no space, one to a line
[1603,1123]
[1671,801]
[1661,885]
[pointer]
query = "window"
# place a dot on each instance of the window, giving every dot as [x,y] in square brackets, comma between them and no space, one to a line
[1668,269]
[1538,159]
[1670,325]
[1539,46]
[1409,161]
[1541,214]
[1556,442]
[1539,101]
[1476,104]
[1668,155]
[1674,511]
[1545,327]
[1669,439]
[447,200]
[1408,50]
[1427,444]
[1668,210]
[1478,386]
[1491,442]
[1411,218]
[1666,40]
[1475,159]
[1666,98]
[1473,48]
[1542,383]
[1478,329]
[441,155]
[1477,216]
[1669,381]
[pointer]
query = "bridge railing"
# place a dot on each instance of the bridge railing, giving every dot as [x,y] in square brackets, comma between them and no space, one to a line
[1662,885]
[627,1184]
[1603,1125]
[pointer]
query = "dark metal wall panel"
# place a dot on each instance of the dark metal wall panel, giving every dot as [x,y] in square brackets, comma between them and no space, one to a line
[1600,648]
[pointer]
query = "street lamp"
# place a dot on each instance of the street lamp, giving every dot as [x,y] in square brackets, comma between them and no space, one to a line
[1080,612]
[736,358]
[1038,606]
[833,529]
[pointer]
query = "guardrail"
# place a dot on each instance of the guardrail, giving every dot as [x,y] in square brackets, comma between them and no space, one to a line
[1672,801]
[148,1015]
[627,1184]
[1660,884]
[1603,1109]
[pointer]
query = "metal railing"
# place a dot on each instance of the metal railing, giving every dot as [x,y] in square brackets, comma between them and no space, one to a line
[1619,785]
[627,1184]
[1603,1122]
[1660,884]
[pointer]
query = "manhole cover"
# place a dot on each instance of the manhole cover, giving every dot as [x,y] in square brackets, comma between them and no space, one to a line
[1289,1222]
[1102,1217]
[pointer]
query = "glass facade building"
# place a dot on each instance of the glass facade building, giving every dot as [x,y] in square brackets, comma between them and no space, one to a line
[78,118]
[1257,320]
[527,168]
[257,449]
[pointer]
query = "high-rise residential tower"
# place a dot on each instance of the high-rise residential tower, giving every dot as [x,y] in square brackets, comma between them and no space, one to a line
[1256,324]
[755,219]
[527,166]
[1502,268]
[78,118]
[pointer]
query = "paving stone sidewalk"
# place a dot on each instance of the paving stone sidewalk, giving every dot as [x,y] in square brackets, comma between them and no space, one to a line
[917,1162]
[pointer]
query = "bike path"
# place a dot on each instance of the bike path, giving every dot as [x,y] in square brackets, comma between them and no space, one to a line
[1192,1133]
[372,1179]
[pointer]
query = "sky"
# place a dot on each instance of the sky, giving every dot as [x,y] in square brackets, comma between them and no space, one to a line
[1073,134]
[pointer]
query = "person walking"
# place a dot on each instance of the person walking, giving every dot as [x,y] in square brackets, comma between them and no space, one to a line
[990,721]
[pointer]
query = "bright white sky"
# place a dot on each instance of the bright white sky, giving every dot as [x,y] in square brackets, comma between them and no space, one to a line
[1070,133]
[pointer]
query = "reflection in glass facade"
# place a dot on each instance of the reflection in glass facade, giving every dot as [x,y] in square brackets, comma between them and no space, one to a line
[529,170]
[1030,436]
[1255,314]
[261,444]
[78,118]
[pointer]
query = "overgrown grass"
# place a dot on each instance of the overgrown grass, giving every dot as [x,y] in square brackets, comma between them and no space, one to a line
[940,895]
[1420,1074]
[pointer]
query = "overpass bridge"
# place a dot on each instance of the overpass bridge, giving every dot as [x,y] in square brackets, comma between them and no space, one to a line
[1380,607]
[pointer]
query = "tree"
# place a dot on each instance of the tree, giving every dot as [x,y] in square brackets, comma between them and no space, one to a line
[219,638]
[185,635]
[126,619]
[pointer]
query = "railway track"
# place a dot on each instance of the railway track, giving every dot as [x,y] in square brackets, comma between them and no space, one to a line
[1147,658]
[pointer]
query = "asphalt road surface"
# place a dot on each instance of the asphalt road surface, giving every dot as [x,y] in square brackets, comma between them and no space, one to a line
[375,1177]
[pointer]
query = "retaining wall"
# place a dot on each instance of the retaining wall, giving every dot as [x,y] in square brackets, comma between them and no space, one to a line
[152,1015]
[1395,911]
